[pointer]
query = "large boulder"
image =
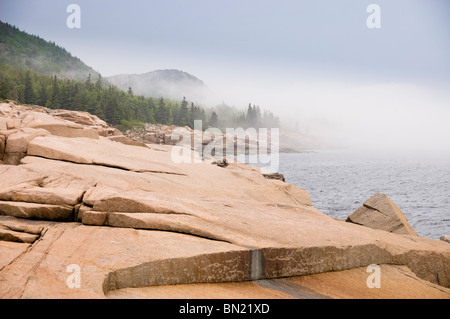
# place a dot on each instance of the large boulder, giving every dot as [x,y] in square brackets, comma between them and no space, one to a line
[379,212]
[17,144]
[18,141]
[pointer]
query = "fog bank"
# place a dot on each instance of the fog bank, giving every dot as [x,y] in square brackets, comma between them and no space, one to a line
[382,117]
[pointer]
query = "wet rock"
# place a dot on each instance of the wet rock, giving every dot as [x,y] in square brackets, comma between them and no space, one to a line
[276,176]
[221,163]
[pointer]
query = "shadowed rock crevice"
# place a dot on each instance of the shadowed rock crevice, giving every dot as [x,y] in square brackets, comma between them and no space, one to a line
[189,225]
[14,230]
[257,264]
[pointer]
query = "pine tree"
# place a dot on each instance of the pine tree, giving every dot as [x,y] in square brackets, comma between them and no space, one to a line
[183,114]
[88,84]
[191,115]
[14,94]
[112,112]
[99,110]
[98,84]
[251,116]
[42,98]
[29,92]
[213,121]
[5,88]
[163,114]
[55,97]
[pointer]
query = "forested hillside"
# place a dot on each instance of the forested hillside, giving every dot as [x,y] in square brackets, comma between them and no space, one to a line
[25,51]
[118,107]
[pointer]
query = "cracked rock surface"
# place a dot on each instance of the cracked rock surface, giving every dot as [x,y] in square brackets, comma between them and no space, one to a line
[130,218]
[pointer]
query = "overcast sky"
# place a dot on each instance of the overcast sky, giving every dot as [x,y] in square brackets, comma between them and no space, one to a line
[314,62]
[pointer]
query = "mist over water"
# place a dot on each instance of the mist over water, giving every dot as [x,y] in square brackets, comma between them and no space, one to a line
[340,181]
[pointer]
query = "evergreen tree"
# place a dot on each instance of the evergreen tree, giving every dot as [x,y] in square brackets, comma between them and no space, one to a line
[42,96]
[112,112]
[5,88]
[88,84]
[98,84]
[150,111]
[99,110]
[213,121]
[163,114]
[55,98]
[192,115]
[29,92]
[183,114]
[251,116]
[14,94]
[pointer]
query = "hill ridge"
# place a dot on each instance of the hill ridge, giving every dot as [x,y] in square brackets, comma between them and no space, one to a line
[26,51]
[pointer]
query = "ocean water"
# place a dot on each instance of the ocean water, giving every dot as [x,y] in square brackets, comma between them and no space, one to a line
[341,181]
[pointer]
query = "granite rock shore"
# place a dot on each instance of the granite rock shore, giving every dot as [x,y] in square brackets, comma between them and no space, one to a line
[86,212]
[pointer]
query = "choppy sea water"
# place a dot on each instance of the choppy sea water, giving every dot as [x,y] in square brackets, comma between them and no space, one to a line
[341,181]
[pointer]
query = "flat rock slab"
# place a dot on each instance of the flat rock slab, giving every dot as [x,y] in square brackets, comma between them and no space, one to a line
[100,152]
[15,236]
[113,258]
[397,282]
[10,251]
[36,211]
[43,195]
[57,126]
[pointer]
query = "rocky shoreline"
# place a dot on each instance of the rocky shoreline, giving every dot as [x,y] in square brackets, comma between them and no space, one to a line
[78,194]
[162,134]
